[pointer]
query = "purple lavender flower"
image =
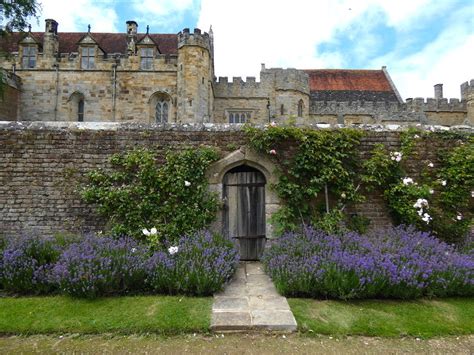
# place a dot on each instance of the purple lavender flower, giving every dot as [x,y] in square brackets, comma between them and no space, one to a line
[397,263]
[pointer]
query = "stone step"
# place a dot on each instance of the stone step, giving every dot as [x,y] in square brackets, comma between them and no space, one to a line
[250,302]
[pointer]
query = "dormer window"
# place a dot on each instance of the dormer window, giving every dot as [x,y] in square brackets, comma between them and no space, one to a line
[146,58]
[28,58]
[88,58]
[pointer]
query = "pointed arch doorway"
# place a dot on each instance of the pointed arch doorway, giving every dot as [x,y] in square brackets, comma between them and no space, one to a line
[244,210]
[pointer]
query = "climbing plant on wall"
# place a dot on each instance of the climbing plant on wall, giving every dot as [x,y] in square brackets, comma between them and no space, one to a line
[439,197]
[321,171]
[317,172]
[138,195]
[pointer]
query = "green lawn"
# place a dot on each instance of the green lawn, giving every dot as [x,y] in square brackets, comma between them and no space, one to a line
[124,315]
[386,318]
[174,315]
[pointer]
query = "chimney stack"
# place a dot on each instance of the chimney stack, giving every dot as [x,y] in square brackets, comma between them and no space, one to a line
[50,39]
[438,91]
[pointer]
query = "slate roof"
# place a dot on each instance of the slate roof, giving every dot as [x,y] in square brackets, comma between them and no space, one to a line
[350,85]
[109,42]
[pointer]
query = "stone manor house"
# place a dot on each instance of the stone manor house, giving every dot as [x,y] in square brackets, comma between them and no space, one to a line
[55,80]
[169,78]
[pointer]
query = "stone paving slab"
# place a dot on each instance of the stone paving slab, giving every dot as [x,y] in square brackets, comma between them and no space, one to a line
[250,302]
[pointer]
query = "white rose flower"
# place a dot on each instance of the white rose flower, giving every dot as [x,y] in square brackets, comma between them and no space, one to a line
[153,231]
[146,232]
[187,183]
[173,250]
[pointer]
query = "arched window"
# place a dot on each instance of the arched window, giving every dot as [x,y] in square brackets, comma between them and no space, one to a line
[160,108]
[80,110]
[76,107]
[300,108]
[161,111]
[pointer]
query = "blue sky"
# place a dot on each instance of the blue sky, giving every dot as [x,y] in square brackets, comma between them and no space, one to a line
[422,42]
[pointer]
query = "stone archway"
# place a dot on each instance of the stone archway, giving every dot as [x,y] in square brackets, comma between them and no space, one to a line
[247,157]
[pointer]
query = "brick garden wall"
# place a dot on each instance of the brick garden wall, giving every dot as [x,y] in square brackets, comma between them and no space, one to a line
[41,163]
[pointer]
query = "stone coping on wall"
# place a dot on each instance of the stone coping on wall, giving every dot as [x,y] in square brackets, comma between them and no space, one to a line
[206,127]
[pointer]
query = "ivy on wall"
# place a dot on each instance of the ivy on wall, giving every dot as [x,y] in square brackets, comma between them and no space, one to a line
[320,172]
[317,172]
[138,194]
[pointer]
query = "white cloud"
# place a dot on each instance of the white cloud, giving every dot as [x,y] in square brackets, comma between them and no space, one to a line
[74,16]
[446,60]
[249,32]
[165,14]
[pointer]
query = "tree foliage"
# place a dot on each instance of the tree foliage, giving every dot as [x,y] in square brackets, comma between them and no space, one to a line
[15,14]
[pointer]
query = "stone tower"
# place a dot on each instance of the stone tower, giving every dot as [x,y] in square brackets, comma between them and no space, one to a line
[194,79]
[467,94]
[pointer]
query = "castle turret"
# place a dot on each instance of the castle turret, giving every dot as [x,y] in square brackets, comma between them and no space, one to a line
[467,95]
[50,40]
[194,83]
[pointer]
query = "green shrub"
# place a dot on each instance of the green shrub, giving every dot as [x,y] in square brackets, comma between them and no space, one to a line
[137,193]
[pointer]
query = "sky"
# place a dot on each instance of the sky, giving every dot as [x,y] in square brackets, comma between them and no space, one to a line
[421,42]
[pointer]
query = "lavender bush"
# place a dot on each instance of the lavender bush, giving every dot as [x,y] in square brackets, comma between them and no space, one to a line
[98,266]
[199,264]
[26,264]
[398,263]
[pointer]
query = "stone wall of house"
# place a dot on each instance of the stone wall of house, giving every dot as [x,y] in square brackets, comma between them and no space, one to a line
[10,98]
[41,165]
[274,97]
[109,95]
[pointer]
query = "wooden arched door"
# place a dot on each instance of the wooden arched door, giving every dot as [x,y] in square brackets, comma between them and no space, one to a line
[244,212]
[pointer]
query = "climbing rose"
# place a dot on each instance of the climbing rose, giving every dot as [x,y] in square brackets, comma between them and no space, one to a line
[172,250]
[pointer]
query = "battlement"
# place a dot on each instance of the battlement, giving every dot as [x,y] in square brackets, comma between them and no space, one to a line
[430,104]
[196,38]
[368,107]
[238,87]
[467,89]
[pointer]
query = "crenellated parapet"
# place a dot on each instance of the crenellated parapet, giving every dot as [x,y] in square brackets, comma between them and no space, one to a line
[430,104]
[426,111]
[196,38]
[239,87]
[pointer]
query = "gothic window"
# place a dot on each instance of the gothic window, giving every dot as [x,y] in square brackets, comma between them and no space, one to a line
[28,59]
[239,116]
[300,108]
[161,111]
[146,58]
[87,58]
[76,107]
[80,110]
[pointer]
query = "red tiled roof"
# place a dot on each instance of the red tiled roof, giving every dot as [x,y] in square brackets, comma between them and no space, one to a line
[348,80]
[109,42]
